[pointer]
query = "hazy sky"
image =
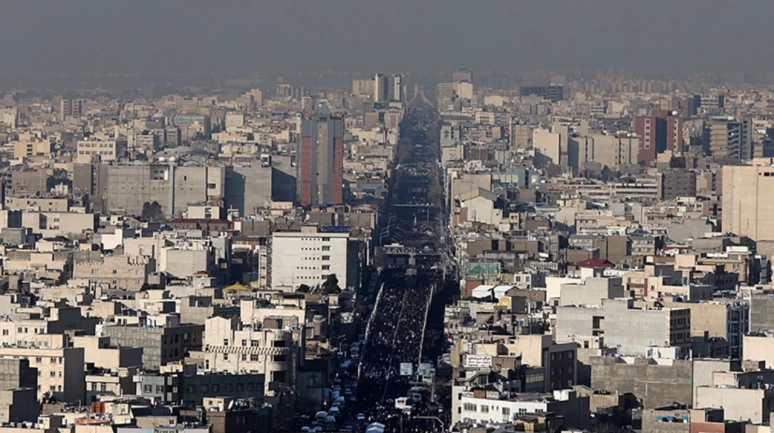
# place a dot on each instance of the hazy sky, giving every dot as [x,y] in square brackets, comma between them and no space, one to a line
[389,35]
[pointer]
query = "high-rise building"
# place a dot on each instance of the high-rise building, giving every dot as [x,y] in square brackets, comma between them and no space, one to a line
[445,93]
[363,88]
[551,93]
[397,88]
[747,204]
[70,108]
[320,157]
[675,183]
[381,88]
[729,139]
[660,131]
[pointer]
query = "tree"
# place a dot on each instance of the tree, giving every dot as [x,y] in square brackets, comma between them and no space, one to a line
[330,285]
[152,212]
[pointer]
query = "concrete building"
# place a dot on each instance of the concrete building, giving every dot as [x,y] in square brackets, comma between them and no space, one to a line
[270,352]
[320,158]
[27,148]
[18,391]
[630,330]
[99,351]
[310,256]
[129,187]
[548,144]
[397,88]
[746,201]
[106,150]
[363,88]
[35,181]
[381,88]
[487,407]
[70,108]
[60,370]
[656,382]
[761,312]
[248,187]
[759,347]
[159,345]
[660,131]
[552,93]
[675,183]
[114,271]
[729,139]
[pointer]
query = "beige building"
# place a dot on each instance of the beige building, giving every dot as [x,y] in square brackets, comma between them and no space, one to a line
[39,204]
[52,224]
[747,203]
[107,150]
[116,271]
[548,144]
[272,352]
[98,351]
[60,371]
[22,149]
[363,88]
[759,348]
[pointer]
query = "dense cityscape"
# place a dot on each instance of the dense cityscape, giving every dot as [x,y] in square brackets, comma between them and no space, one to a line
[475,250]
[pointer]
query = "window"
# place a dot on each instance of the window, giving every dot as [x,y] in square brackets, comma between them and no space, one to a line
[225,356]
[278,376]
[278,343]
[484,408]
[229,387]
[279,358]
[522,412]
[326,247]
[146,388]
[254,358]
[326,258]
[5,332]
[244,343]
[205,388]
[52,373]
[159,389]
[225,341]
[240,386]
[103,387]
[506,411]
[255,343]
[244,357]
[469,407]
[38,360]
[326,239]
[326,267]
[215,388]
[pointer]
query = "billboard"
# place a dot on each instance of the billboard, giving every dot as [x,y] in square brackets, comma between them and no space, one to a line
[425,369]
[478,361]
[483,270]
[406,369]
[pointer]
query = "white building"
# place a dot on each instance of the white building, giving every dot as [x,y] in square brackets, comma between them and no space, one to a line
[310,256]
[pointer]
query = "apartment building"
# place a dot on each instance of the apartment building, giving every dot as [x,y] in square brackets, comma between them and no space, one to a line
[160,345]
[310,256]
[271,351]
[632,331]
[105,150]
[60,370]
